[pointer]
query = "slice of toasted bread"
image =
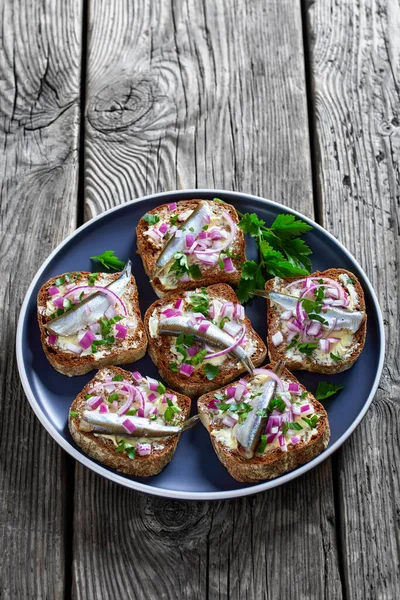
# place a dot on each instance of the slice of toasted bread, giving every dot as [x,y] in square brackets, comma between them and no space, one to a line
[103,449]
[162,354]
[123,351]
[150,250]
[273,462]
[348,349]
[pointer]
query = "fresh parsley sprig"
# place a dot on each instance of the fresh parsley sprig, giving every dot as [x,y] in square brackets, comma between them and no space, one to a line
[109,260]
[326,389]
[282,251]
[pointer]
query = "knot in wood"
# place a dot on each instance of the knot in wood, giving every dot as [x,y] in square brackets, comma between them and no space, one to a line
[175,519]
[121,104]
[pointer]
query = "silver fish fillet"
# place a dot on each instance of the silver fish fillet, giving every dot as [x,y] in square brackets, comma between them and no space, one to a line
[75,319]
[213,336]
[249,432]
[195,222]
[336,318]
[111,423]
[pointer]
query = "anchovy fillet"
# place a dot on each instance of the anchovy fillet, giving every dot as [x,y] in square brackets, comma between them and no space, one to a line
[336,318]
[111,423]
[194,223]
[213,336]
[249,432]
[77,318]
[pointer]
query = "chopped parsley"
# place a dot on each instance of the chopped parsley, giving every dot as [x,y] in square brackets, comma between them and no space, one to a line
[60,281]
[200,302]
[92,278]
[171,410]
[315,317]
[161,388]
[293,343]
[151,219]
[262,444]
[181,267]
[113,397]
[118,378]
[326,389]
[125,446]
[173,219]
[291,425]
[109,260]
[73,413]
[335,357]
[211,371]
[174,367]
[312,421]
[307,349]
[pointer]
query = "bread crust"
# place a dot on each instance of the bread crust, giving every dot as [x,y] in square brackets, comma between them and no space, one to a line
[276,353]
[276,463]
[149,252]
[72,365]
[103,449]
[197,383]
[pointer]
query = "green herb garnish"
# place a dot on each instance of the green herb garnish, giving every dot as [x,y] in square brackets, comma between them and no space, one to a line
[262,445]
[326,389]
[181,267]
[291,425]
[293,342]
[118,378]
[73,413]
[200,302]
[174,367]
[113,397]
[60,281]
[173,219]
[307,349]
[92,279]
[335,357]
[171,410]
[161,388]
[109,260]
[151,219]
[211,371]
[124,446]
[312,421]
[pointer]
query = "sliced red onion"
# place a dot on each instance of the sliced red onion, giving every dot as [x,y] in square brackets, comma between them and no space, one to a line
[277,338]
[110,312]
[163,228]
[106,291]
[74,348]
[87,339]
[94,402]
[172,206]
[151,397]
[59,302]
[295,439]
[52,339]
[122,330]
[143,449]
[270,374]
[186,370]
[207,259]
[179,304]
[228,421]
[192,351]
[103,408]
[237,342]
[293,327]
[128,425]
[53,291]
[125,406]
[137,376]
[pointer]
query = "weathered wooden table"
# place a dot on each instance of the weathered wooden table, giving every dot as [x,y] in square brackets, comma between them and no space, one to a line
[108,100]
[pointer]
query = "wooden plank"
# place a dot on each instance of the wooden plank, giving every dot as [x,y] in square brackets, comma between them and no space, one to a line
[39,108]
[210,95]
[355,60]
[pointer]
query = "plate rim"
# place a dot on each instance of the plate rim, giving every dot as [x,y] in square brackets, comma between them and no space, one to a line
[165,492]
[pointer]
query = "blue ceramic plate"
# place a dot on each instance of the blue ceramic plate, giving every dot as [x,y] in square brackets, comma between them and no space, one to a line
[194,472]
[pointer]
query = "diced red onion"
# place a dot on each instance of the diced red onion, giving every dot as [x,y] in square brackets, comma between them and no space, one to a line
[128,425]
[295,439]
[227,309]
[296,409]
[186,370]
[179,304]
[122,330]
[232,328]
[294,387]
[324,345]
[305,408]
[151,397]
[170,312]
[286,315]
[239,312]
[109,387]
[152,383]
[211,405]
[228,265]
[52,339]
[74,348]
[53,291]
[143,449]
[59,302]
[106,291]
[314,328]
[172,206]
[103,408]
[154,234]
[270,374]
[228,421]
[94,402]
[137,376]
[204,326]
[87,339]
[189,240]
[239,391]
[192,351]
[293,327]
[110,312]
[277,338]
[214,234]
[163,228]
[290,336]
[207,259]
[230,391]
[94,327]
[185,215]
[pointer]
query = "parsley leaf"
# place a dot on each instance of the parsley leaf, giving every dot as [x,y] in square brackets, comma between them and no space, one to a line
[92,278]
[171,410]
[174,367]
[109,260]
[262,445]
[124,446]
[312,421]
[211,371]
[118,378]
[326,389]
[200,302]
[291,425]
[73,413]
[151,219]
[335,357]
[307,349]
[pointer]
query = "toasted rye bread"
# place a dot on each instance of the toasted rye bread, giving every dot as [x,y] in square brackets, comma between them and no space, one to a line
[197,383]
[130,350]
[275,463]
[276,353]
[150,252]
[103,449]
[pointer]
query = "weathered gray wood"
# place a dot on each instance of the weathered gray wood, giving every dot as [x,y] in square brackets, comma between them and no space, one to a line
[39,105]
[356,67]
[210,95]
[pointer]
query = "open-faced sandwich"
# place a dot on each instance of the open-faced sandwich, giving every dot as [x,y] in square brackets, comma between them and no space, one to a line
[90,320]
[265,424]
[129,422]
[201,339]
[190,243]
[316,323]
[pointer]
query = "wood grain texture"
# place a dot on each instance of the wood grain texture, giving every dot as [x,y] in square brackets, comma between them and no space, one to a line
[211,95]
[355,53]
[39,96]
